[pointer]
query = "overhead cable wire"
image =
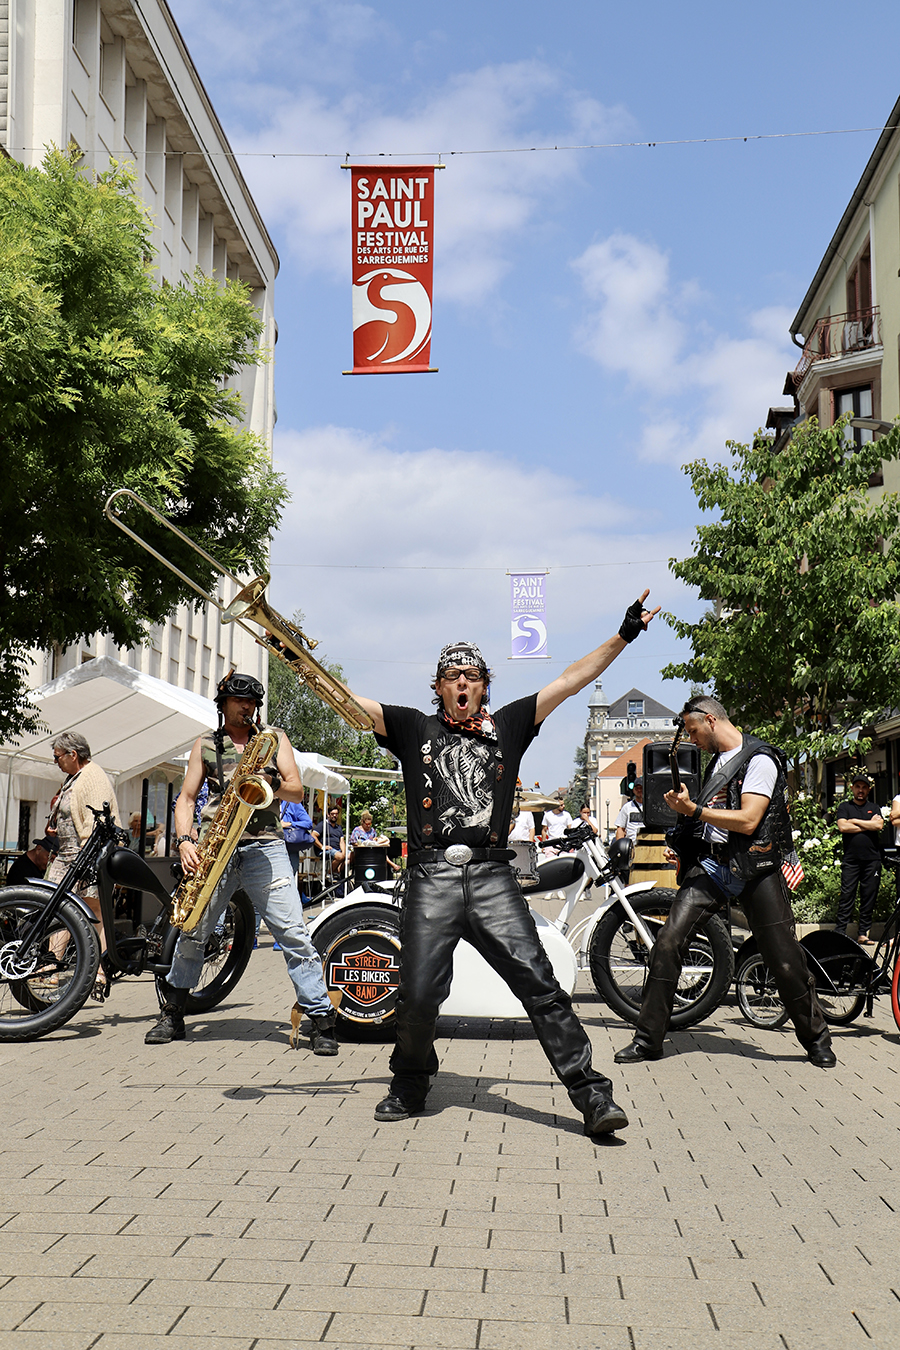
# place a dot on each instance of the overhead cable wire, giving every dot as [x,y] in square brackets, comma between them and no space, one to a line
[427,567]
[504,150]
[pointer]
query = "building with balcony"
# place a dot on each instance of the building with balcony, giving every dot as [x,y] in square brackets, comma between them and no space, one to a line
[114,78]
[848,327]
[849,321]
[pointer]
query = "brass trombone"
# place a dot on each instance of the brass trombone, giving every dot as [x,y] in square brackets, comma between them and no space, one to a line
[282,639]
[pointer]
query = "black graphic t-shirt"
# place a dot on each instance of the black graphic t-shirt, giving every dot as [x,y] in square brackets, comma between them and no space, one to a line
[455,782]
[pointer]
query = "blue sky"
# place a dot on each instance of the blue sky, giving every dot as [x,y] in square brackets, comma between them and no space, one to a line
[601,317]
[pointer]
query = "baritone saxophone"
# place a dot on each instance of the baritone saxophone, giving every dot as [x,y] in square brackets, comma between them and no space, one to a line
[247,791]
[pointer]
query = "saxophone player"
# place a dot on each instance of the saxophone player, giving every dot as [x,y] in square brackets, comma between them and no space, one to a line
[259,865]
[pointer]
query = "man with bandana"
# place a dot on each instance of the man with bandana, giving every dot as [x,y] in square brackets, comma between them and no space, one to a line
[459,771]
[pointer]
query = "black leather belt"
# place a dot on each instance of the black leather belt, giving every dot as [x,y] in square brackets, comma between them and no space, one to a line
[459,855]
[719,853]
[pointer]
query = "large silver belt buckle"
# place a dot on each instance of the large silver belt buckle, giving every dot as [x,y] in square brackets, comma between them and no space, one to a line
[458,855]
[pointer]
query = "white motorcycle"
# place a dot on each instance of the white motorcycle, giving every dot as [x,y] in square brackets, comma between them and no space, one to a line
[358,938]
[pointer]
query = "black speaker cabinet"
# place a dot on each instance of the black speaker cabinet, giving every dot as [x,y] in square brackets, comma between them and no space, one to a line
[658,781]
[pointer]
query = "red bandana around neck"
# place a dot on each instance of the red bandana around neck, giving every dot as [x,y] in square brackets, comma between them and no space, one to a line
[481,723]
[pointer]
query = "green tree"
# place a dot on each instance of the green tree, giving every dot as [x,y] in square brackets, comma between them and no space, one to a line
[576,797]
[310,723]
[108,380]
[313,725]
[803,565]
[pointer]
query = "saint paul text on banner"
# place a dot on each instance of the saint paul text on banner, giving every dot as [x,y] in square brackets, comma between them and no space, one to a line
[393,230]
[529,629]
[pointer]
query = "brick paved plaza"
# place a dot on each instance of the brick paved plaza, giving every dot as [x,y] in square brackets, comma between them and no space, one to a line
[228,1192]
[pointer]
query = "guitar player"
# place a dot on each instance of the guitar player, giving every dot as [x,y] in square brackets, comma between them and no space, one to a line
[731,843]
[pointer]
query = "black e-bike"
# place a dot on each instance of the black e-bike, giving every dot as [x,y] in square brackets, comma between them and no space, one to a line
[50,951]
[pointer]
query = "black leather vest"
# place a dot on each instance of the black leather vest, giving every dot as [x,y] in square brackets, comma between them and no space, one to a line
[750,855]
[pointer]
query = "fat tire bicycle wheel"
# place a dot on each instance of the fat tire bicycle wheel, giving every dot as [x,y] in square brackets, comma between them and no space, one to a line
[757,994]
[619,961]
[32,1007]
[226,954]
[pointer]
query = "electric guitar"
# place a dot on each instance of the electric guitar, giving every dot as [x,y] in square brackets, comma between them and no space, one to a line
[681,837]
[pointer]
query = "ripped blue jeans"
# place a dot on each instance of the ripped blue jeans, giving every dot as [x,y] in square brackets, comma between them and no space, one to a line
[263,871]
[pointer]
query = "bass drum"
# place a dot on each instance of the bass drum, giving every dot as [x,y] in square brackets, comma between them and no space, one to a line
[360,951]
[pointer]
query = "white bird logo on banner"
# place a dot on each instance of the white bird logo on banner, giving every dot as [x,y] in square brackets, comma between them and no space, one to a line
[400,302]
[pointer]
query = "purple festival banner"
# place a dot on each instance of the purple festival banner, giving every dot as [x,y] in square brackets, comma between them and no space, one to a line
[529,631]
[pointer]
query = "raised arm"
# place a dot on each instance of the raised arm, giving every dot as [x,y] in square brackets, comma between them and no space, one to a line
[581,673]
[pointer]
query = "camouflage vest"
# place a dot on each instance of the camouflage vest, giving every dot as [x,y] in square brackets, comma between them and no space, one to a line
[264,824]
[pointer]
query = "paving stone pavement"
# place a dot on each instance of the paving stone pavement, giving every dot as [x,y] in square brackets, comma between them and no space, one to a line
[228,1193]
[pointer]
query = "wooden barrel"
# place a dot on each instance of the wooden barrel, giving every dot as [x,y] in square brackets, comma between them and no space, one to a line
[649,862]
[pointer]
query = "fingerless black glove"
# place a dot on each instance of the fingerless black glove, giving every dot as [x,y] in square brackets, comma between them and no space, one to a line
[274,777]
[632,624]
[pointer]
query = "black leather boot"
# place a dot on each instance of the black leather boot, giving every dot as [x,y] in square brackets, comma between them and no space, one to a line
[635,1052]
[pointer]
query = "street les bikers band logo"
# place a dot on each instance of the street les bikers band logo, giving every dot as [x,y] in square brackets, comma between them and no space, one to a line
[365,968]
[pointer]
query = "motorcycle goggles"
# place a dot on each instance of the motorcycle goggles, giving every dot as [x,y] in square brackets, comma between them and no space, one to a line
[240,686]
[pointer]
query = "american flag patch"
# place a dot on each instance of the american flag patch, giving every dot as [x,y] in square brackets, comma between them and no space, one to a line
[792,872]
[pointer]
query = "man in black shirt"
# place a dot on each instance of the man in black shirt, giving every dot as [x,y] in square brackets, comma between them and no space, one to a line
[32,864]
[459,773]
[860,823]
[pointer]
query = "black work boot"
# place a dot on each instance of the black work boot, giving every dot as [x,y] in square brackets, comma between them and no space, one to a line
[321,1034]
[169,1026]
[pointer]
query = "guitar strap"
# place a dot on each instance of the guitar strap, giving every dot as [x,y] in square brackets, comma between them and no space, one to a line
[714,783]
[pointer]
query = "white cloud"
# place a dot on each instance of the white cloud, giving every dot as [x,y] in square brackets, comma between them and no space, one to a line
[699,390]
[486,201]
[632,329]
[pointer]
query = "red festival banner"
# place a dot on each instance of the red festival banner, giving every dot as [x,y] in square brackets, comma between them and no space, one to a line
[393,229]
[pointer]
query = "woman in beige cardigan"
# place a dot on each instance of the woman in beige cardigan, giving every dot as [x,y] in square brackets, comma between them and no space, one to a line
[85,785]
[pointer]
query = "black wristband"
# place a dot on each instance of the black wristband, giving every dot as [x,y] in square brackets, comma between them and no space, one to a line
[632,624]
[184,839]
[698,813]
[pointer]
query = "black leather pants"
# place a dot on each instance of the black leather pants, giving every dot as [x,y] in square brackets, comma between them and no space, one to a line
[771,921]
[483,904]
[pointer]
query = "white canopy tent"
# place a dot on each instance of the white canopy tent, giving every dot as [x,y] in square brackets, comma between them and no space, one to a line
[317,772]
[131,721]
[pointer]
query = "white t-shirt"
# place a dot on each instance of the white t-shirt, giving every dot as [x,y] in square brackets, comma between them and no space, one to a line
[630,819]
[894,805]
[556,824]
[522,831]
[759,778]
